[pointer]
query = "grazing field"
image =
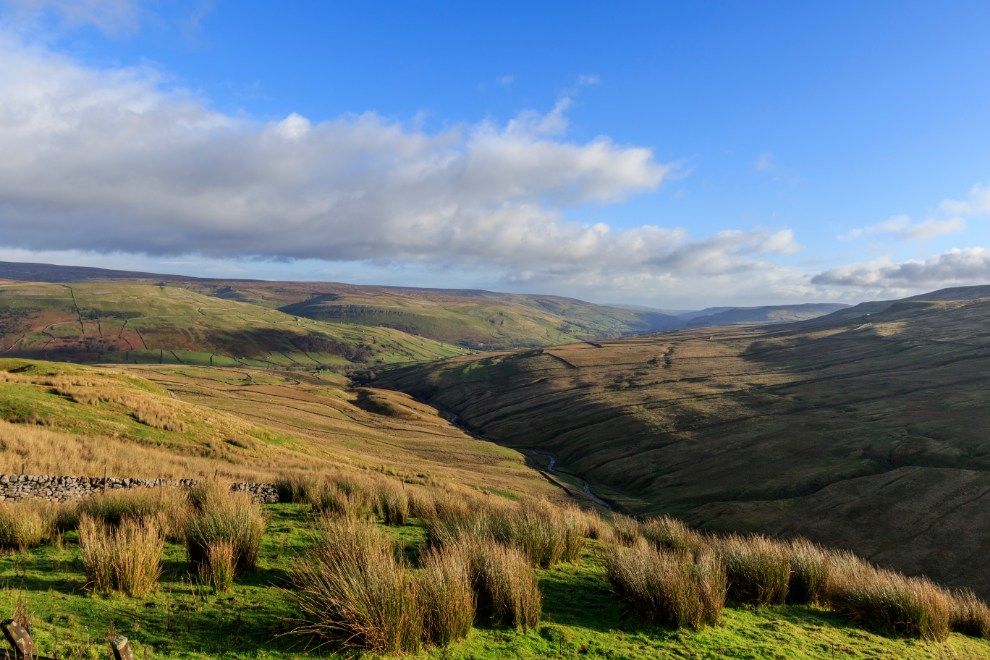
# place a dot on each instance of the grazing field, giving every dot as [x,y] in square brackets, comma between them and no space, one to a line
[163,323]
[864,430]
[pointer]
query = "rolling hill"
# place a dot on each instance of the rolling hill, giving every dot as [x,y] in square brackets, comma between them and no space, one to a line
[123,321]
[864,429]
[469,318]
[244,424]
[757,315]
[472,319]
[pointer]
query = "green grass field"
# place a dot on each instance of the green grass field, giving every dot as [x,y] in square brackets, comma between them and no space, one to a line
[581,617]
[148,323]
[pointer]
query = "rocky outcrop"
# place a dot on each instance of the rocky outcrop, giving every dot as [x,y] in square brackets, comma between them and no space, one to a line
[14,487]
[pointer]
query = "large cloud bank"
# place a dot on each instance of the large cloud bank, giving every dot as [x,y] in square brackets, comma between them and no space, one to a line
[116,160]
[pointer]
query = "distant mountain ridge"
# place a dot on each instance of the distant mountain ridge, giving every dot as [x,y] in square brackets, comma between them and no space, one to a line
[469,318]
[712,316]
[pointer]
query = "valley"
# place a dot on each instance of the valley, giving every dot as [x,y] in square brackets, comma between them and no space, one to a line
[866,430]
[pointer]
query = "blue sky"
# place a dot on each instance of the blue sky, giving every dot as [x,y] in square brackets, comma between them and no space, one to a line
[674,155]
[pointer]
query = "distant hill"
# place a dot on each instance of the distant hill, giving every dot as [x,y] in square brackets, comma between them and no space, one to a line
[474,319]
[469,318]
[864,429]
[713,316]
[131,321]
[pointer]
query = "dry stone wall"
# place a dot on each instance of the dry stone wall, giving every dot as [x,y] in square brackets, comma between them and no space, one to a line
[15,487]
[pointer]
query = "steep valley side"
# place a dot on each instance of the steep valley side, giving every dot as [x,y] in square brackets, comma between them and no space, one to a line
[863,431]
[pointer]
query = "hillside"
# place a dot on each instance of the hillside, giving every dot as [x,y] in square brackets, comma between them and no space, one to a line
[193,422]
[758,315]
[469,318]
[863,431]
[137,322]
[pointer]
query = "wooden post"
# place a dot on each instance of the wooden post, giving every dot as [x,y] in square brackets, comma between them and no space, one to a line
[19,638]
[121,648]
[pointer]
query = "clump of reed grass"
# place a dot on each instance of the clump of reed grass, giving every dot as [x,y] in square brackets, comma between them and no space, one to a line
[667,587]
[969,615]
[390,502]
[353,590]
[446,598]
[625,529]
[169,506]
[220,566]
[26,525]
[339,499]
[124,558]
[222,516]
[504,582]
[421,503]
[887,602]
[758,568]
[809,573]
[545,533]
[594,526]
[671,534]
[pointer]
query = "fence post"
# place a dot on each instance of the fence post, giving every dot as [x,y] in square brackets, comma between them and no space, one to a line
[121,648]
[19,638]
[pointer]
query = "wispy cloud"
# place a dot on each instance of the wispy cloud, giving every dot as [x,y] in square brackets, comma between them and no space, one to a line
[902,227]
[976,203]
[112,17]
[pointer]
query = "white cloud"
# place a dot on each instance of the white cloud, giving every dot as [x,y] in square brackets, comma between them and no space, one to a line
[113,17]
[977,202]
[506,80]
[589,79]
[955,267]
[932,228]
[114,160]
[901,226]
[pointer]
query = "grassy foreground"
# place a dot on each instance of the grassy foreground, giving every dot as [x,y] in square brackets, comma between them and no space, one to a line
[254,619]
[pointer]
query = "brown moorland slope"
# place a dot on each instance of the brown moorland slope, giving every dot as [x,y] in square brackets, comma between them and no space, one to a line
[174,421]
[866,431]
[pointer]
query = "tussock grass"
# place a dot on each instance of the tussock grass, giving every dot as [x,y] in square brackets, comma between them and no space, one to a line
[504,582]
[809,573]
[390,501]
[422,503]
[546,534]
[353,591]
[26,525]
[668,587]
[222,516]
[220,566]
[594,526]
[969,615]
[887,602]
[625,529]
[445,595]
[169,506]
[670,533]
[758,568]
[124,558]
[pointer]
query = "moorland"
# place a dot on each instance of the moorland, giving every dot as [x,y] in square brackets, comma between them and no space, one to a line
[526,501]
